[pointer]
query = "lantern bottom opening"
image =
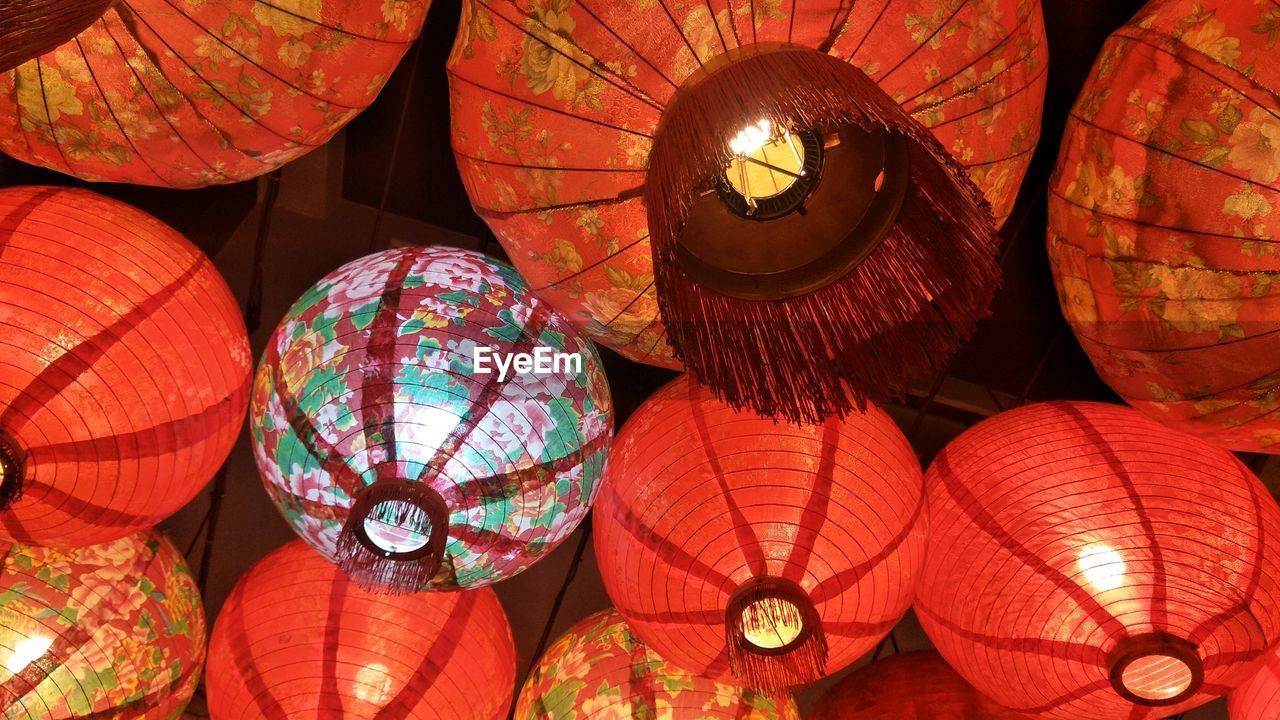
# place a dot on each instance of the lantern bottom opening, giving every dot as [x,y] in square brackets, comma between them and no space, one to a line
[1156,669]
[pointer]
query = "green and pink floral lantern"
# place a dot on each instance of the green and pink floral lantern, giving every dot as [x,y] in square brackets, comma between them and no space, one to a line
[394,442]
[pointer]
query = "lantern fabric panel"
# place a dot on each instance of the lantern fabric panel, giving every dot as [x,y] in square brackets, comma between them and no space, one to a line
[297,639]
[114,630]
[124,374]
[1161,220]
[369,381]
[701,502]
[189,93]
[1085,561]
[599,670]
[555,104]
[1259,697]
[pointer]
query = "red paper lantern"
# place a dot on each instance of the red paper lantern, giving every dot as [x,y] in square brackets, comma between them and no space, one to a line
[583,127]
[598,670]
[1259,698]
[124,369]
[909,686]
[1085,561]
[744,549]
[114,630]
[1163,215]
[297,639]
[190,93]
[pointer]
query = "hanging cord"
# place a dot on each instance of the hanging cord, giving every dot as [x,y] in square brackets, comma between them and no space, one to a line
[253,305]
[216,493]
[375,243]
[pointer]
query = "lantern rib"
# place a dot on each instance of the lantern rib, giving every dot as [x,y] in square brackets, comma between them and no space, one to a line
[924,42]
[680,31]
[628,194]
[814,515]
[332,636]
[748,542]
[1008,158]
[1141,39]
[548,108]
[1055,703]
[644,291]
[1013,32]
[269,706]
[112,111]
[635,53]
[1143,223]
[871,28]
[595,264]
[656,341]
[521,165]
[432,664]
[973,90]
[44,100]
[823,591]
[378,365]
[313,441]
[332,28]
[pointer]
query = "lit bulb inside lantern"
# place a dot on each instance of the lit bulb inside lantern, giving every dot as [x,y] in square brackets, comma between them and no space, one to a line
[771,623]
[1157,677]
[26,652]
[1102,566]
[751,138]
[372,684]
[397,526]
[766,161]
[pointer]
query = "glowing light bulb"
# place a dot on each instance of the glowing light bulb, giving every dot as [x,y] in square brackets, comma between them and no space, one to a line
[771,623]
[1102,566]
[372,684]
[751,138]
[27,651]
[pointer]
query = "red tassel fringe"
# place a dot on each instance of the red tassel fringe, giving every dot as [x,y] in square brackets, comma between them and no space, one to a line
[900,313]
[804,663]
[376,570]
[31,28]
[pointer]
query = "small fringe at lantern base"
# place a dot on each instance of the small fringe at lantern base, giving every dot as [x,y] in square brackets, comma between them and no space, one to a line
[377,569]
[771,603]
[31,28]
[902,311]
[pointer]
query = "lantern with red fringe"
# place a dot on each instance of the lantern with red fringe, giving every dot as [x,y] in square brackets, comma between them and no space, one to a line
[124,368]
[1164,215]
[910,686]
[114,630]
[395,442]
[751,551]
[1259,698]
[189,93]
[599,669]
[1085,561]
[801,181]
[297,639]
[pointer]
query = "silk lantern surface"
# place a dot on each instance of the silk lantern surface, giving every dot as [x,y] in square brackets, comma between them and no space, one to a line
[758,552]
[114,630]
[908,686]
[386,447]
[599,670]
[556,102]
[1163,217]
[1259,697]
[124,368]
[297,639]
[1085,561]
[189,93]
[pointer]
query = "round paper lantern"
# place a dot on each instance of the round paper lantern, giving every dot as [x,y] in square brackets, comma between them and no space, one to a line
[1259,697]
[764,553]
[297,639]
[726,162]
[598,670]
[1162,219]
[124,368]
[909,686]
[189,93]
[114,630]
[399,433]
[1085,561]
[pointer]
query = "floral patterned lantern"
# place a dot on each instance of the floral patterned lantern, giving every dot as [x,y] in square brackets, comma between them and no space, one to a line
[598,670]
[637,158]
[124,374]
[909,686]
[393,444]
[297,639]
[1163,219]
[1259,698]
[756,552]
[189,93]
[114,630]
[1085,561]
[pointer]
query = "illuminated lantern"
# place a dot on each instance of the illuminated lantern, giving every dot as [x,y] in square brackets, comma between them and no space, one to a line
[774,177]
[393,443]
[598,670]
[1163,217]
[297,639]
[189,93]
[124,368]
[114,630]
[1085,561]
[1259,697]
[909,686]
[769,554]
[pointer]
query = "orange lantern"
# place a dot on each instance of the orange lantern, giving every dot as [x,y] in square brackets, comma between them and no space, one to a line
[598,670]
[751,551]
[1085,561]
[296,639]
[1163,219]
[124,374]
[732,167]
[193,92]
[1259,698]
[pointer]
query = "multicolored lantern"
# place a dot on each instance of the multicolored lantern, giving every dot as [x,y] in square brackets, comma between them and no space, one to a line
[1259,698]
[107,631]
[124,373]
[297,639]
[751,551]
[189,93]
[1085,561]
[774,177]
[1163,219]
[394,439]
[599,670]
[909,686]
